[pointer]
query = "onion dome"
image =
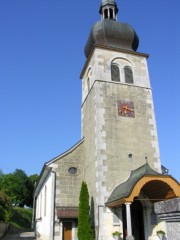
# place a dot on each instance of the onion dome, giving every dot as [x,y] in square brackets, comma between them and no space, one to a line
[110,33]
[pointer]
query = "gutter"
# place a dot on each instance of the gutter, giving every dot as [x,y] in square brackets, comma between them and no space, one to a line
[99,220]
[54,203]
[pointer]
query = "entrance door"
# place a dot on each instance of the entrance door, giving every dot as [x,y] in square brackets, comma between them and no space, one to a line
[67,230]
[137,220]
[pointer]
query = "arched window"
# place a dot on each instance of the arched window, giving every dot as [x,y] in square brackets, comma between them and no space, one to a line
[128,74]
[88,84]
[115,73]
[89,75]
[111,13]
[106,13]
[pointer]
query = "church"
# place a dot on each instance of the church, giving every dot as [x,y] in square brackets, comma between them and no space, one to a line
[118,155]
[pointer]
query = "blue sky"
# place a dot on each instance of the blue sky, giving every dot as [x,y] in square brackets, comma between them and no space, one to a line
[41,57]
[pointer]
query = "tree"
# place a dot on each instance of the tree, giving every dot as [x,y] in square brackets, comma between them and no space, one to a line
[5,207]
[19,187]
[84,227]
[34,179]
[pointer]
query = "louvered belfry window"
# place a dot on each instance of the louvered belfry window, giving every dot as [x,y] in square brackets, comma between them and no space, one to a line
[115,73]
[128,75]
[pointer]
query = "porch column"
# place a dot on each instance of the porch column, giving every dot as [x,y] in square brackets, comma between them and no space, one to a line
[128,219]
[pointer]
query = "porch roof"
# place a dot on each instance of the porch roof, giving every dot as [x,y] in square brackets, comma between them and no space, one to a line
[67,212]
[155,186]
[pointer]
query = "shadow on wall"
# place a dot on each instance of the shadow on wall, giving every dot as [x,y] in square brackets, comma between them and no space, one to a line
[92,215]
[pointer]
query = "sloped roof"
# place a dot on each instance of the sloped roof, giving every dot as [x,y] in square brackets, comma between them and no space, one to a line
[47,166]
[65,153]
[124,190]
[67,212]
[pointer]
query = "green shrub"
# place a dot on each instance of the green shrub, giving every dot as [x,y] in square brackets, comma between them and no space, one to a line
[21,217]
[84,227]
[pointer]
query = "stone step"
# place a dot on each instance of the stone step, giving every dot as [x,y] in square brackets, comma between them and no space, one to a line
[20,236]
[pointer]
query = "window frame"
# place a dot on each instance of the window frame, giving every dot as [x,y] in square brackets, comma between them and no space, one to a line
[115,77]
[128,70]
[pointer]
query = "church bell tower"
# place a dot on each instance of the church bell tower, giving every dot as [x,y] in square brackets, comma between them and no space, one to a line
[118,120]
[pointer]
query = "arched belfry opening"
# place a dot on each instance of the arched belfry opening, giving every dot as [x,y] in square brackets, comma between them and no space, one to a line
[108,10]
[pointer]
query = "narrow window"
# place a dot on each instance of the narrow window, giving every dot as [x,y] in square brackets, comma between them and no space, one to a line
[115,74]
[45,199]
[89,75]
[128,75]
[37,208]
[40,214]
[106,13]
[111,13]
[88,83]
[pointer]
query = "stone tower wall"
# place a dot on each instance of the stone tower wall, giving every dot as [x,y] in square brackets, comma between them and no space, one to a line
[110,138]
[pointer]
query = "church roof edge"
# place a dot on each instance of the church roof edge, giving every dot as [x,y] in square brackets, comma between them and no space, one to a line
[65,153]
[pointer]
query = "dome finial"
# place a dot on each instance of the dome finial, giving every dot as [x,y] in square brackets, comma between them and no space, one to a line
[108,10]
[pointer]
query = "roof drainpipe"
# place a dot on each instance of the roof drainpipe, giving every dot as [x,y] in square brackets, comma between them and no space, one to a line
[99,220]
[53,233]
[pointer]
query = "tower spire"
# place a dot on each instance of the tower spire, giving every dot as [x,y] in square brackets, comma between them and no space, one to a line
[108,9]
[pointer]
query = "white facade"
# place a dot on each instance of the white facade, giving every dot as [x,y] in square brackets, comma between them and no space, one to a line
[44,215]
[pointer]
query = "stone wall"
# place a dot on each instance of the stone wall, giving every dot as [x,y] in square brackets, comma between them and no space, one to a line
[68,185]
[3,229]
[169,211]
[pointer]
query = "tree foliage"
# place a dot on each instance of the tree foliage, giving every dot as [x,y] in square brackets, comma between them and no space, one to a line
[34,178]
[19,187]
[5,207]
[84,227]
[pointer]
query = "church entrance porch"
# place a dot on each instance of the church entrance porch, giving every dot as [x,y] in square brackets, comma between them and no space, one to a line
[67,217]
[143,188]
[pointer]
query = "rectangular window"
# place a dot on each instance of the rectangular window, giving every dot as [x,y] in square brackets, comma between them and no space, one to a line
[115,73]
[40,213]
[45,199]
[37,208]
